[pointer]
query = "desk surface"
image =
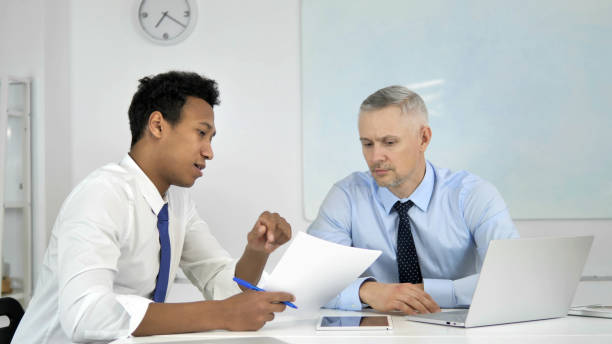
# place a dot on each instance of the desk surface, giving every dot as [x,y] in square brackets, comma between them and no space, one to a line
[286,328]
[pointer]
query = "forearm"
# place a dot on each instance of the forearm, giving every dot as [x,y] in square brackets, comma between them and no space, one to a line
[349,297]
[251,265]
[452,293]
[168,318]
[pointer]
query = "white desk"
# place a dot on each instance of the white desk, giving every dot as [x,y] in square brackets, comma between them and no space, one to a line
[570,329]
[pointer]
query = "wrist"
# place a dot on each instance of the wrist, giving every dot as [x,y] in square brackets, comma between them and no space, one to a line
[364,290]
[224,312]
[253,253]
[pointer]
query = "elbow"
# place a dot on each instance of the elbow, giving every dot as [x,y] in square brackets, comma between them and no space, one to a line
[93,318]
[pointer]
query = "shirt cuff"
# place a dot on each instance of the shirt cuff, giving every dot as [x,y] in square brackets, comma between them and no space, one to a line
[442,291]
[349,298]
[464,290]
[136,307]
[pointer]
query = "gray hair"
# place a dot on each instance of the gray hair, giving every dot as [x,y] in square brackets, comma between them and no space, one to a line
[408,101]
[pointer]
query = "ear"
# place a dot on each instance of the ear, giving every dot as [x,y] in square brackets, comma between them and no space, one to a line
[156,124]
[424,137]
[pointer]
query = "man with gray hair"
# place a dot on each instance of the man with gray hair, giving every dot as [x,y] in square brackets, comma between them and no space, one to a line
[432,225]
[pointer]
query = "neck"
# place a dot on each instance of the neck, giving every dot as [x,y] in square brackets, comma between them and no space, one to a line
[145,159]
[412,181]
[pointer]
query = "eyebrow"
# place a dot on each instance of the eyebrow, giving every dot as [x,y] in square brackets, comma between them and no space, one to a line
[209,127]
[386,137]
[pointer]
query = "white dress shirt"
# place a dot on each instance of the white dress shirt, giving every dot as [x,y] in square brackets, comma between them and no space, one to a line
[100,268]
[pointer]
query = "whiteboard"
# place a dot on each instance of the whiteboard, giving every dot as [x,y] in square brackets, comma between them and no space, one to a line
[519,93]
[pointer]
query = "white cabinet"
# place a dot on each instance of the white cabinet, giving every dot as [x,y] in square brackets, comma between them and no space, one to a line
[15,187]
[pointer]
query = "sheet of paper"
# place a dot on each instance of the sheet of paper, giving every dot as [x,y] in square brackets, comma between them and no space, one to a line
[316,270]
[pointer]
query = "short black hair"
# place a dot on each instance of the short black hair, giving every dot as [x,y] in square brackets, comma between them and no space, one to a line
[167,93]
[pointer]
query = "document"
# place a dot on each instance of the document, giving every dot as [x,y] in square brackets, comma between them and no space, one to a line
[316,270]
[599,311]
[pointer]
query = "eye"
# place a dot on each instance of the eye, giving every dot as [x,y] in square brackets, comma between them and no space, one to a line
[389,143]
[367,144]
[201,133]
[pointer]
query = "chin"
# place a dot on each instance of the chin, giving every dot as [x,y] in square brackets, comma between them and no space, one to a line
[185,183]
[383,179]
[381,183]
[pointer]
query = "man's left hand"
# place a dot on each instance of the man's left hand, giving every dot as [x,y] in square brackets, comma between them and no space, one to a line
[270,231]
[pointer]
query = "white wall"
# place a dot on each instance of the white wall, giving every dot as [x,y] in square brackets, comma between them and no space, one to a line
[252,49]
[93,59]
[22,54]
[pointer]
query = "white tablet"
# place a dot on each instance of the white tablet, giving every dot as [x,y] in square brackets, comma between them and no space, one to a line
[355,322]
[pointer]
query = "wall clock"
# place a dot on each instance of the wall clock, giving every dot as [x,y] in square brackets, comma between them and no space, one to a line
[167,21]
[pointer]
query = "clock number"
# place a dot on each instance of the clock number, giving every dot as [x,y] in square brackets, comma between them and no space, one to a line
[165,35]
[144,14]
[186,14]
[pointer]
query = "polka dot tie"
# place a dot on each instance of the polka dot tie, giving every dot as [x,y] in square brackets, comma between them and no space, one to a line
[407,258]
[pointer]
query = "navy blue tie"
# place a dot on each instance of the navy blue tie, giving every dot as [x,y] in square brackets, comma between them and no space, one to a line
[407,258]
[164,260]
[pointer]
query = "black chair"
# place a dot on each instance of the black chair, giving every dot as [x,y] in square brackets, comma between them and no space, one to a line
[10,308]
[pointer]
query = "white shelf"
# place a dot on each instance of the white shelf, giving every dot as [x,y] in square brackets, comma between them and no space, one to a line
[15,185]
[13,113]
[15,205]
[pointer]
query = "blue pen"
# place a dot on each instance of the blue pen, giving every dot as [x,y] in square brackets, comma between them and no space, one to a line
[250,286]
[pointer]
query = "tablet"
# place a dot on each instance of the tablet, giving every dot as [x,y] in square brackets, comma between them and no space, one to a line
[355,322]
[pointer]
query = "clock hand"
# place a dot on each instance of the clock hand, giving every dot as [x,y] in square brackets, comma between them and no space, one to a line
[174,20]
[162,18]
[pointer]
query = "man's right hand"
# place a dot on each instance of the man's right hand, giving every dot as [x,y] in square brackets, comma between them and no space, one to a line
[250,310]
[404,297]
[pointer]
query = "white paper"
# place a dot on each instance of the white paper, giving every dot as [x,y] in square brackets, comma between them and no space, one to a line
[315,270]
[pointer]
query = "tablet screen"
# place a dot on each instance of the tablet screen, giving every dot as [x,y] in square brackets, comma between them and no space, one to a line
[360,322]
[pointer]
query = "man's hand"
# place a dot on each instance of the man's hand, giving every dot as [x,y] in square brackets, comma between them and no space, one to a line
[404,297]
[247,311]
[250,310]
[270,231]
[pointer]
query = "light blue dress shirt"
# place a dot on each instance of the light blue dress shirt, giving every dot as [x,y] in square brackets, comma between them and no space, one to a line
[455,216]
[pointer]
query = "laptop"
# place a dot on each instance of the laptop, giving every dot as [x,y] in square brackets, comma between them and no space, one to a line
[521,280]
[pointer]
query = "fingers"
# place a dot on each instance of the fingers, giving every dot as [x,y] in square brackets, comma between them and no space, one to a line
[278,230]
[280,296]
[403,307]
[431,305]
[274,301]
[417,299]
[415,305]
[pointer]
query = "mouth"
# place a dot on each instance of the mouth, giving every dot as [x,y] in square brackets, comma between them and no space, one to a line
[199,168]
[379,172]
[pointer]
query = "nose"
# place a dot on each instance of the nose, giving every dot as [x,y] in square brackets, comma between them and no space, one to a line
[207,151]
[378,154]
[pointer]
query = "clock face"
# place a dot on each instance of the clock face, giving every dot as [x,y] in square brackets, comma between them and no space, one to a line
[166,21]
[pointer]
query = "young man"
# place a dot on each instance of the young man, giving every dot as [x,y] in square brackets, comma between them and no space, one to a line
[123,233]
[432,225]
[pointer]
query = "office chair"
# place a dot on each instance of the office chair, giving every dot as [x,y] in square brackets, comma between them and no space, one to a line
[10,308]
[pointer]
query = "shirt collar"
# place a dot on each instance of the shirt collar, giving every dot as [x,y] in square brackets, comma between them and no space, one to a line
[146,186]
[420,197]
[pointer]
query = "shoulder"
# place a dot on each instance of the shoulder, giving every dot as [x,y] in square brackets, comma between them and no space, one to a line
[462,183]
[476,198]
[110,180]
[109,188]
[350,189]
[355,183]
